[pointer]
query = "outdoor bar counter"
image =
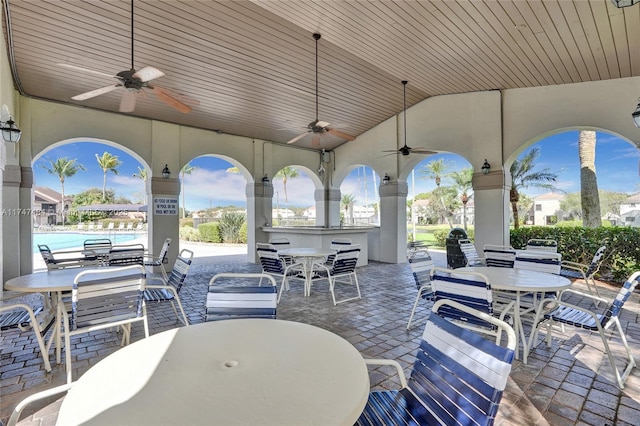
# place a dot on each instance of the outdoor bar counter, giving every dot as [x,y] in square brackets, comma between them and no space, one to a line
[320,237]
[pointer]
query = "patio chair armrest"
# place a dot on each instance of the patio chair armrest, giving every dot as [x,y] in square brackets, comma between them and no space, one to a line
[15,415]
[392,363]
[163,287]
[580,267]
[292,266]
[580,293]
[157,279]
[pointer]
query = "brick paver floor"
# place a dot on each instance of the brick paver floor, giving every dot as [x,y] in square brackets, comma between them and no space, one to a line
[570,383]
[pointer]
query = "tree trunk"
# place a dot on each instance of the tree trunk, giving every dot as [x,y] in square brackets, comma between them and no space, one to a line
[514,197]
[62,205]
[591,217]
[104,186]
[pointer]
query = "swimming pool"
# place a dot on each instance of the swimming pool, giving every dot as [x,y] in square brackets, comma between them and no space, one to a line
[69,240]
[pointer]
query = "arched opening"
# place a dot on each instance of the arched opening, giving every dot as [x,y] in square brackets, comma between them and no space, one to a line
[293,202]
[213,201]
[558,201]
[88,188]
[440,198]
[360,199]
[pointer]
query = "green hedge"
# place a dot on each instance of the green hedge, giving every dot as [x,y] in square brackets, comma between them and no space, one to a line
[209,232]
[442,234]
[578,244]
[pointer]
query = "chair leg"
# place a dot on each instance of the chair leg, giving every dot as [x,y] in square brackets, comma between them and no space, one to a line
[620,378]
[184,319]
[415,306]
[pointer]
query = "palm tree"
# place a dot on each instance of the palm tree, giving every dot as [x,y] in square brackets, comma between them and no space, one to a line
[186,170]
[436,169]
[107,162]
[284,174]
[591,217]
[462,181]
[347,201]
[63,168]
[523,176]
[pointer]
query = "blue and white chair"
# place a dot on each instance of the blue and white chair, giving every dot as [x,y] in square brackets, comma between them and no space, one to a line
[421,264]
[342,271]
[601,322]
[541,261]
[575,270]
[169,290]
[337,244]
[240,299]
[472,289]
[499,256]
[161,259]
[458,376]
[281,243]
[471,256]
[542,245]
[105,298]
[273,264]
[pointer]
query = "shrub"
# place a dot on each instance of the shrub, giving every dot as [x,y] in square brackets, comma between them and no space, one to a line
[187,221]
[243,233]
[188,233]
[579,244]
[230,225]
[209,232]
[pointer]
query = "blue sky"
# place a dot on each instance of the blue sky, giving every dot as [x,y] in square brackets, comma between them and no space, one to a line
[617,166]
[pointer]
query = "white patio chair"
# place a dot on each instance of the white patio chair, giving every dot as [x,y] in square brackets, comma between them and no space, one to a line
[575,270]
[33,398]
[105,298]
[499,255]
[542,245]
[471,256]
[458,376]
[342,271]
[239,299]
[567,314]
[169,290]
[273,264]
[421,264]
[159,260]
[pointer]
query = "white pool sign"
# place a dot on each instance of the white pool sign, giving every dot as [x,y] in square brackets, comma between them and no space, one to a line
[165,205]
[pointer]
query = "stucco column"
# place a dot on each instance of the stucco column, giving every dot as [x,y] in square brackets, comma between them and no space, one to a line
[259,208]
[26,220]
[491,202]
[327,207]
[393,222]
[162,216]
[11,213]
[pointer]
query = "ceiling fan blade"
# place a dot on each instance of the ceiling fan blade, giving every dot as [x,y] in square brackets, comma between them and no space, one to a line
[297,138]
[165,97]
[422,151]
[128,101]
[340,134]
[315,140]
[95,92]
[77,68]
[185,99]
[148,74]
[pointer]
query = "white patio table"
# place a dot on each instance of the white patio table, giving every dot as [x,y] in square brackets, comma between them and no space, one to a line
[230,372]
[308,257]
[520,281]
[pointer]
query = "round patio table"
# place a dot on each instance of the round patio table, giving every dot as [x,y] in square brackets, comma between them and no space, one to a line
[230,372]
[520,281]
[307,256]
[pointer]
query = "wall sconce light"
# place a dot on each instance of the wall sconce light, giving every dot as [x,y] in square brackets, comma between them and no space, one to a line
[386,179]
[636,114]
[486,167]
[624,3]
[265,179]
[10,131]
[166,173]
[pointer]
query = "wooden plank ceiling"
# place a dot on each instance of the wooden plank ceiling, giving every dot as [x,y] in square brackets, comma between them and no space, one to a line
[251,64]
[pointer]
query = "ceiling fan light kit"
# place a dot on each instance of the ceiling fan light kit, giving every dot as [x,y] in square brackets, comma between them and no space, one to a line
[134,82]
[318,128]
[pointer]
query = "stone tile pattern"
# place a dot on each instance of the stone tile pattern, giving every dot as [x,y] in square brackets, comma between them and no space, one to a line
[570,383]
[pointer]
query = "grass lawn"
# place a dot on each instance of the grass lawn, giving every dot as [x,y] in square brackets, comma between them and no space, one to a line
[425,233]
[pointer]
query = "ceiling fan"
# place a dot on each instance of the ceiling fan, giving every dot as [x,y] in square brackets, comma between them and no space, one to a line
[134,82]
[317,128]
[405,149]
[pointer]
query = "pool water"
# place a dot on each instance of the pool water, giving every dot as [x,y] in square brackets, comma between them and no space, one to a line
[69,240]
